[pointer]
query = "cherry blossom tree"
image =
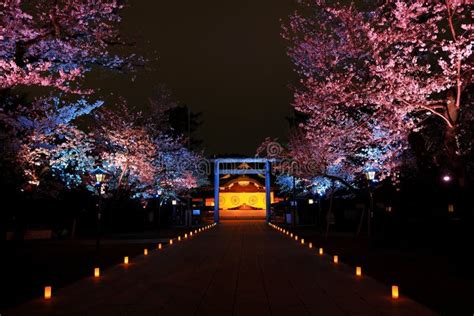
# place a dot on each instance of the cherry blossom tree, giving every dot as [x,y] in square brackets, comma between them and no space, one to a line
[143,158]
[46,140]
[55,43]
[371,75]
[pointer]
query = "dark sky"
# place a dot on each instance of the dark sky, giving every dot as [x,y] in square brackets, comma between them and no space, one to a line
[223,58]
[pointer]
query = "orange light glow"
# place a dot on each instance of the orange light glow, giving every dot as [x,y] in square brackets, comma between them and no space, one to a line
[296,237]
[336,259]
[160,246]
[321,251]
[395,293]
[145,252]
[97,272]
[310,245]
[358,271]
[302,241]
[47,292]
[171,241]
[125,260]
[179,238]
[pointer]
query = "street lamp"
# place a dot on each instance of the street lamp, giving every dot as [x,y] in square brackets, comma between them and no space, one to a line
[100,176]
[159,194]
[370,175]
[447,178]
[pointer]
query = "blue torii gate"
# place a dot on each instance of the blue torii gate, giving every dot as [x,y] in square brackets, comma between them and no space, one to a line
[218,171]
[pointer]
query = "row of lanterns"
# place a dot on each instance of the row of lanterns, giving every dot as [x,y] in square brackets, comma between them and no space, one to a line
[335,259]
[48,289]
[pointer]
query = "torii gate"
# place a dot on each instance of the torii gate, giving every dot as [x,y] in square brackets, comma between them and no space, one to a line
[218,171]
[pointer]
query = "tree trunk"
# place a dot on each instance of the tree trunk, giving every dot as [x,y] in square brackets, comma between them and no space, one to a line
[455,161]
[328,215]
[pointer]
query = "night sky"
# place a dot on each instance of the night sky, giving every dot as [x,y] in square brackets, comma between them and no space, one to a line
[223,58]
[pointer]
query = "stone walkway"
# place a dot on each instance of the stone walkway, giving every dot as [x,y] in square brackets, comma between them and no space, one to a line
[235,268]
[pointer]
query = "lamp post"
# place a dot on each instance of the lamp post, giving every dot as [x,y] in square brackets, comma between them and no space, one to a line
[294,205]
[174,202]
[100,175]
[159,193]
[370,175]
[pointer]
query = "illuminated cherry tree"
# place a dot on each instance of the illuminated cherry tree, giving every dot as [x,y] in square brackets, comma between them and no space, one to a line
[141,157]
[371,76]
[54,43]
[46,140]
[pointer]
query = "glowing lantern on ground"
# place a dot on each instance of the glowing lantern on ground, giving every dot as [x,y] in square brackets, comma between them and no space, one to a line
[336,259]
[125,260]
[321,251]
[310,245]
[185,235]
[296,237]
[160,246]
[302,241]
[97,272]
[395,293]
[145,252]
[179,238]
[47,292]
[171,241]
[358,271]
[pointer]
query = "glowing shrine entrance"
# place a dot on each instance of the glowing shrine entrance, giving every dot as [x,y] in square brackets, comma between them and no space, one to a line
[233,166]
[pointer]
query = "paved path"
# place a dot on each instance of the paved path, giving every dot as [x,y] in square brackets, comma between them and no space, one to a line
[236,268]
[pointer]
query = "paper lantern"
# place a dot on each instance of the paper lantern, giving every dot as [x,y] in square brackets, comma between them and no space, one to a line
[336,259]
[171,241]
[179,238]
[185,235]
[296,237]
[302,241]
[395,293]
[358,271]
[47,292]
[291,235]
[97,272]
[160,246]
[125,260]
[145,252]
[310,245]
[191,233]
[321,251]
